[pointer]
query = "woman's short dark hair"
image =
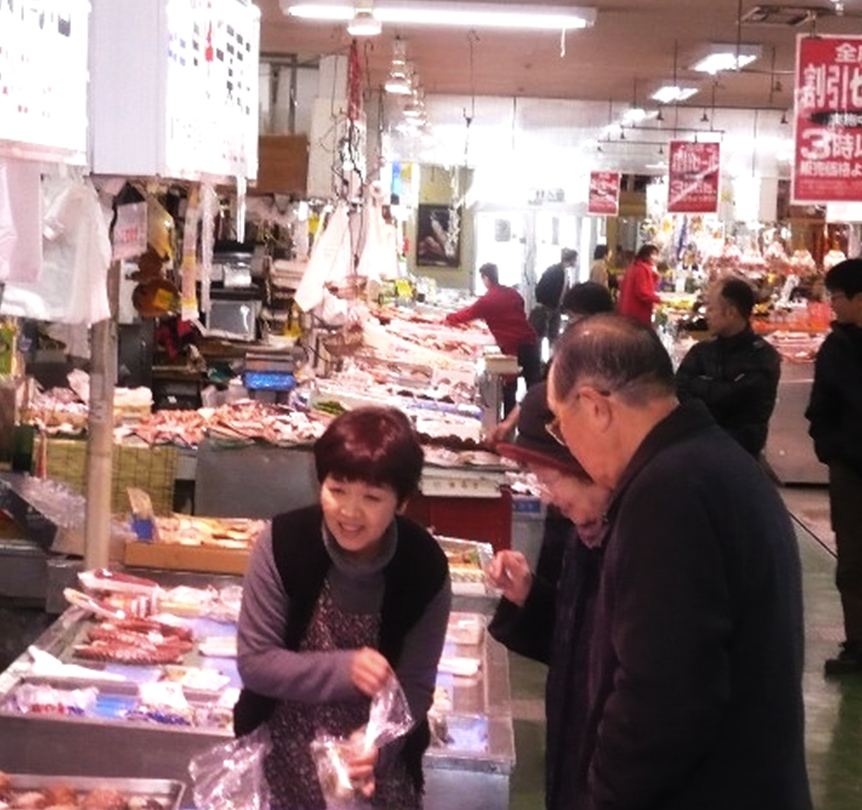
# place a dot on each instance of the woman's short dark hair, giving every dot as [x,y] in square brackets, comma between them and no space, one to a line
[600,252]
[845,277]
[616,354]
[490,272]
[738,293]
[376,445]
[645,251]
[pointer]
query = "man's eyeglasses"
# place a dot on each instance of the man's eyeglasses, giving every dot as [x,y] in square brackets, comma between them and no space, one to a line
[554,431]
[553,427]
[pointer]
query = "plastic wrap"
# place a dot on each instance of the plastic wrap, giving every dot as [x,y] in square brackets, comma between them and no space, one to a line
[230,775]
[389,718]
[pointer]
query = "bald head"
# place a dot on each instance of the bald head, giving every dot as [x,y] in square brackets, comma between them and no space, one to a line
[613,354]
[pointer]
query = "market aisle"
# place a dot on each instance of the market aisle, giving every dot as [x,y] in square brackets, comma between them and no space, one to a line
[833,708]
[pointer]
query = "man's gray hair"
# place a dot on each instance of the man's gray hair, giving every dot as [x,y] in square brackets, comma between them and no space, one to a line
[614,354]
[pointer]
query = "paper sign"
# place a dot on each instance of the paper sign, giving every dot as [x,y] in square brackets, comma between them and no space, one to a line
[604,193]
[827,165]
[693,177]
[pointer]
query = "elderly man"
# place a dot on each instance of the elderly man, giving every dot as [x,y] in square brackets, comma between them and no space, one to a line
[693,696]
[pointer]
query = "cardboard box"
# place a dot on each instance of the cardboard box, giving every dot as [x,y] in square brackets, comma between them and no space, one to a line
[186,558]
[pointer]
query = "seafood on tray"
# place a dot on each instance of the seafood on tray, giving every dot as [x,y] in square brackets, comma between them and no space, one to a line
[136,641]
[66,795]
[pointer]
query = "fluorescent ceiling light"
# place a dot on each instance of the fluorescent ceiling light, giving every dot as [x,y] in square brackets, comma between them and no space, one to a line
[469,14]
[719,57]
[671,93]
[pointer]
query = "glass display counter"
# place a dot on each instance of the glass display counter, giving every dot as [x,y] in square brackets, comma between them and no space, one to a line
[81,724]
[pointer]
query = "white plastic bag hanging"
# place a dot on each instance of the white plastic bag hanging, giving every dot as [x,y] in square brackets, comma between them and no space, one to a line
[330,263]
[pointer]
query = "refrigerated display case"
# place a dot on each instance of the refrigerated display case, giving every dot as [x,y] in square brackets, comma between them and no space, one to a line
[115,730]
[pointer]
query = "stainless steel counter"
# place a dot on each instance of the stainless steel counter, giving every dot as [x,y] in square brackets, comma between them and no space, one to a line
[475,776]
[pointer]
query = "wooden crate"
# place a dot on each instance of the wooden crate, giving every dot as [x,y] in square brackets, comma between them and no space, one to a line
[186,558]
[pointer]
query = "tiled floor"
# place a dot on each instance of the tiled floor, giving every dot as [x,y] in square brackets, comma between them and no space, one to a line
[833,708]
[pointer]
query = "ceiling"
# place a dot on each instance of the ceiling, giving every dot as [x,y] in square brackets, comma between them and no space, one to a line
[633,48]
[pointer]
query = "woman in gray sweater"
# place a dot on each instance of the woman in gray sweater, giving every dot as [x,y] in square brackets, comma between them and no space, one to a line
[337,597]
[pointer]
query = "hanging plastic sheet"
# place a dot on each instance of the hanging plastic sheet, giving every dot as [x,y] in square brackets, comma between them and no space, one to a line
[379,257]
[330,263]
[76,249]
[20,221]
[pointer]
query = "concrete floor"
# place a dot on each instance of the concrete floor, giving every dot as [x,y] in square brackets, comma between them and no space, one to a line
[833,707]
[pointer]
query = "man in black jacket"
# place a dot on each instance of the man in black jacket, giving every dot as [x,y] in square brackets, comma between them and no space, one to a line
[692,696]
[835,414]
[546,316]
[736,373]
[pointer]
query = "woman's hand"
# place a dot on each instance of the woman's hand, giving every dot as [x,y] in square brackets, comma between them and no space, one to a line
[360,764]
[510,573]
[369,671]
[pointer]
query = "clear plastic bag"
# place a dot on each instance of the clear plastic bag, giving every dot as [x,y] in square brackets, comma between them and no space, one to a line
[388,719]
[230,775]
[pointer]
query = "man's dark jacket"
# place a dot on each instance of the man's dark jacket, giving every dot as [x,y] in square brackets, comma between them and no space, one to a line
[549,288]
[737,379]
[835,409]
[684,686]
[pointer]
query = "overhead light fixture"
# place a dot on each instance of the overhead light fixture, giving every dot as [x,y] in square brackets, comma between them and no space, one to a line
[400,78]
[726,56]
[468,15]
[415,108]
[364,23]
[673,93]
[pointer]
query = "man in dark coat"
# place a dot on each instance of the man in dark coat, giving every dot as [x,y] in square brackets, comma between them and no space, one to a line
[546,316]
[835,414]
[736,373]
[692,696]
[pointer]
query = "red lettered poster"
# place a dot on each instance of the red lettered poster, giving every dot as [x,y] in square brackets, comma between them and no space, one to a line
[604,193]
[827,164]
[693,177]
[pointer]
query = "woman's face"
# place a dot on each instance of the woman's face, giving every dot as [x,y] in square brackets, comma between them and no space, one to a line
[357,514]
[582,502]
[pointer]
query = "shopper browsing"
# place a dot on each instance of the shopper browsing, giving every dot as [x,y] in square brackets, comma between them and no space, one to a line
[835,414]
[586,298]
[638,288]
[691,697]
[736,373]
[547,615]
[336,598]
[550,289]
[599,268]
[502,309]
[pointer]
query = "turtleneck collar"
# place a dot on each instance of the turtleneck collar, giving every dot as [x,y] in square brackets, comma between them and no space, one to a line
[352,567]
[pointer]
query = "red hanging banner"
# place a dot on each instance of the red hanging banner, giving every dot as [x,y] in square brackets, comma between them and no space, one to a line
[693,177]
[604,193]
[827,164]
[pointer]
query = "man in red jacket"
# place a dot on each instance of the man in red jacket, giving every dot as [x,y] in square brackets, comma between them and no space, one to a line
[502,309]
[638,288]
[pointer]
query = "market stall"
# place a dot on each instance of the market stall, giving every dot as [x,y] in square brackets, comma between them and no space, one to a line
[156,691]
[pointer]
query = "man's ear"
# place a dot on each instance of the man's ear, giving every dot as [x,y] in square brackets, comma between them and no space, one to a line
[598,409]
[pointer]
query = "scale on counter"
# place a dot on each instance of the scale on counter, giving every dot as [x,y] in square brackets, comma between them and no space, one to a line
[269,375]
